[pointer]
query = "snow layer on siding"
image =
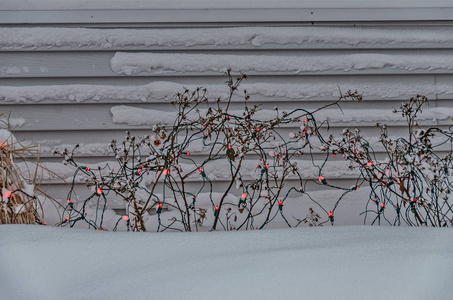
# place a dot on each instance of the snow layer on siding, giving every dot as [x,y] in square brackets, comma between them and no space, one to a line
[254,37]
[84,92]
[165,90]
[134,63]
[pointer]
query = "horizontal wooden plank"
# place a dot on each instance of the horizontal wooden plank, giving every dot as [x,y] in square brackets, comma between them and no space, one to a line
[215,4]
[62,64]
[203,81]
[94,142]
[93,153]
[216,48]
[139,116]
[206,25]
[219,16]
[217,171]
[59,191]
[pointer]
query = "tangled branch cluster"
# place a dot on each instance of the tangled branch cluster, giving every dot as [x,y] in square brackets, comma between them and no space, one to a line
[160,178]
[413,179]
[165,184]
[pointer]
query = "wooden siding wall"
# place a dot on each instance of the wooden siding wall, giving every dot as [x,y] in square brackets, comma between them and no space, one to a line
[54,121]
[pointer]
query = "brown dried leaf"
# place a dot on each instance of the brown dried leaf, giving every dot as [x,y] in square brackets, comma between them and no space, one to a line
[402,188]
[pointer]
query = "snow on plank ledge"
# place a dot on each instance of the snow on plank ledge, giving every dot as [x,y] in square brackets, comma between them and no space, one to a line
[213,38]
[162,91]
[159,63]
[90,93]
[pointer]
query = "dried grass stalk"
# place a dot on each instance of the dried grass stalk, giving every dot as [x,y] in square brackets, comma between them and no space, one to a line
[19,210]
[16,206]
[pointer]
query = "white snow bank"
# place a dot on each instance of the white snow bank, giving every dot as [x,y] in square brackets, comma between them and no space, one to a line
[139,116]
[135,63]
[213,4]
[165,90]
[304,263]
[251,37]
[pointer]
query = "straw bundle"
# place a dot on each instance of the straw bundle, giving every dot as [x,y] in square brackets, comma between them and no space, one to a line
[17,197]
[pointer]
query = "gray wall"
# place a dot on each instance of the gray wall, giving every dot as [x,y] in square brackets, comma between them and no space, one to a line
[57,79]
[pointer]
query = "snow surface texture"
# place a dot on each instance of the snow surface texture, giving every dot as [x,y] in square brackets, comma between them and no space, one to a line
[214,4]
[250,37]
[305,263]
[159,91]
[135,63]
